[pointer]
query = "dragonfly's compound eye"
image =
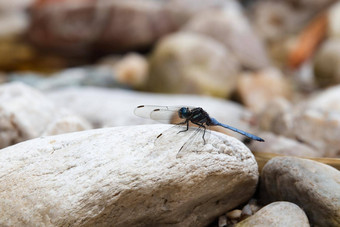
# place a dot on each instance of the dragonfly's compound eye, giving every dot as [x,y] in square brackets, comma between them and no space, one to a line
[183,112]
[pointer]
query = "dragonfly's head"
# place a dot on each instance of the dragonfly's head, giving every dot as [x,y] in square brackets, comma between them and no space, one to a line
[184,112]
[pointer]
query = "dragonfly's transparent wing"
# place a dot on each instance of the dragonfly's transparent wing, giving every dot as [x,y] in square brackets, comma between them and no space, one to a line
[173,134]
[181,138]
[157,113]
[199,136]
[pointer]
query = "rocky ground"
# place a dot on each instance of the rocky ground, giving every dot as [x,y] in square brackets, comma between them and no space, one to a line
[73,153]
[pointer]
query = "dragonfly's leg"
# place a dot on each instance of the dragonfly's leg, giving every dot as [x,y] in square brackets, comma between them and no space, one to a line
[187,122]
[204,128]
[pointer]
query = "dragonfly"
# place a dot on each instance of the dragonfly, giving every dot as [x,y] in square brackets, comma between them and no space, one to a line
[194,115]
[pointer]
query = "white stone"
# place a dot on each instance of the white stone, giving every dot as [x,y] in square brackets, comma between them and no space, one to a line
[116,177]
[25,113]
[66,122]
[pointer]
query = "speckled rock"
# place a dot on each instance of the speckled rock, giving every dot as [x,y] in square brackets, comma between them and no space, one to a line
[25,114]
[229,26]
[278,214]
[192,63]
[256,90]
[101,177]
[313,186]
[116,106]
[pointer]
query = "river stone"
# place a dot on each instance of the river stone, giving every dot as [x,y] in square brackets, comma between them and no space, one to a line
[313,186]
[66,122]
[320,111]
[307,124]
[264,85]
[81,27]
[334,21]
[326,63]
[282,145]
[229,26]
[192,63]
[328,99]
[304,120]
[277,117]
[117,106]
[118,177]
[278,214]
[25,113]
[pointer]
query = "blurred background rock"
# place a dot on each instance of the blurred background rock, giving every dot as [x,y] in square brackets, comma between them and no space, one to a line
[275,58]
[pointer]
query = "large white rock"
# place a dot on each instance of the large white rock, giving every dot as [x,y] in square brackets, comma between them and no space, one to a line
[117,177]
[25,113]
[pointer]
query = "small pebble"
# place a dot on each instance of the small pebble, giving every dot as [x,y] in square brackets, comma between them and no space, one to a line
[234,214]
[222,221]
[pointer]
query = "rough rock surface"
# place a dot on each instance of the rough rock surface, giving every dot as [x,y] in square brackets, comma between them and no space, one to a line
[116,106]
[26,113]
[116,176]
[192,63]
[278,214]
[313,186]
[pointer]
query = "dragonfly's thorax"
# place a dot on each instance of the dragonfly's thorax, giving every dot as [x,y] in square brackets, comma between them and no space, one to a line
[199,116]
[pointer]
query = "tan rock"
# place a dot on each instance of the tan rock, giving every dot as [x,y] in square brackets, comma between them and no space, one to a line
[256,90]
[313,186]
[278,214]
[192,63]
[326,67]
[229,26]
[282,145]
[334,21]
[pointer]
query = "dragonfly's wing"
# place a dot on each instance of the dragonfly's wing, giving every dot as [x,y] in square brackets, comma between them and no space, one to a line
[156,112]
[198,136]
[172,133]
[247,134]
